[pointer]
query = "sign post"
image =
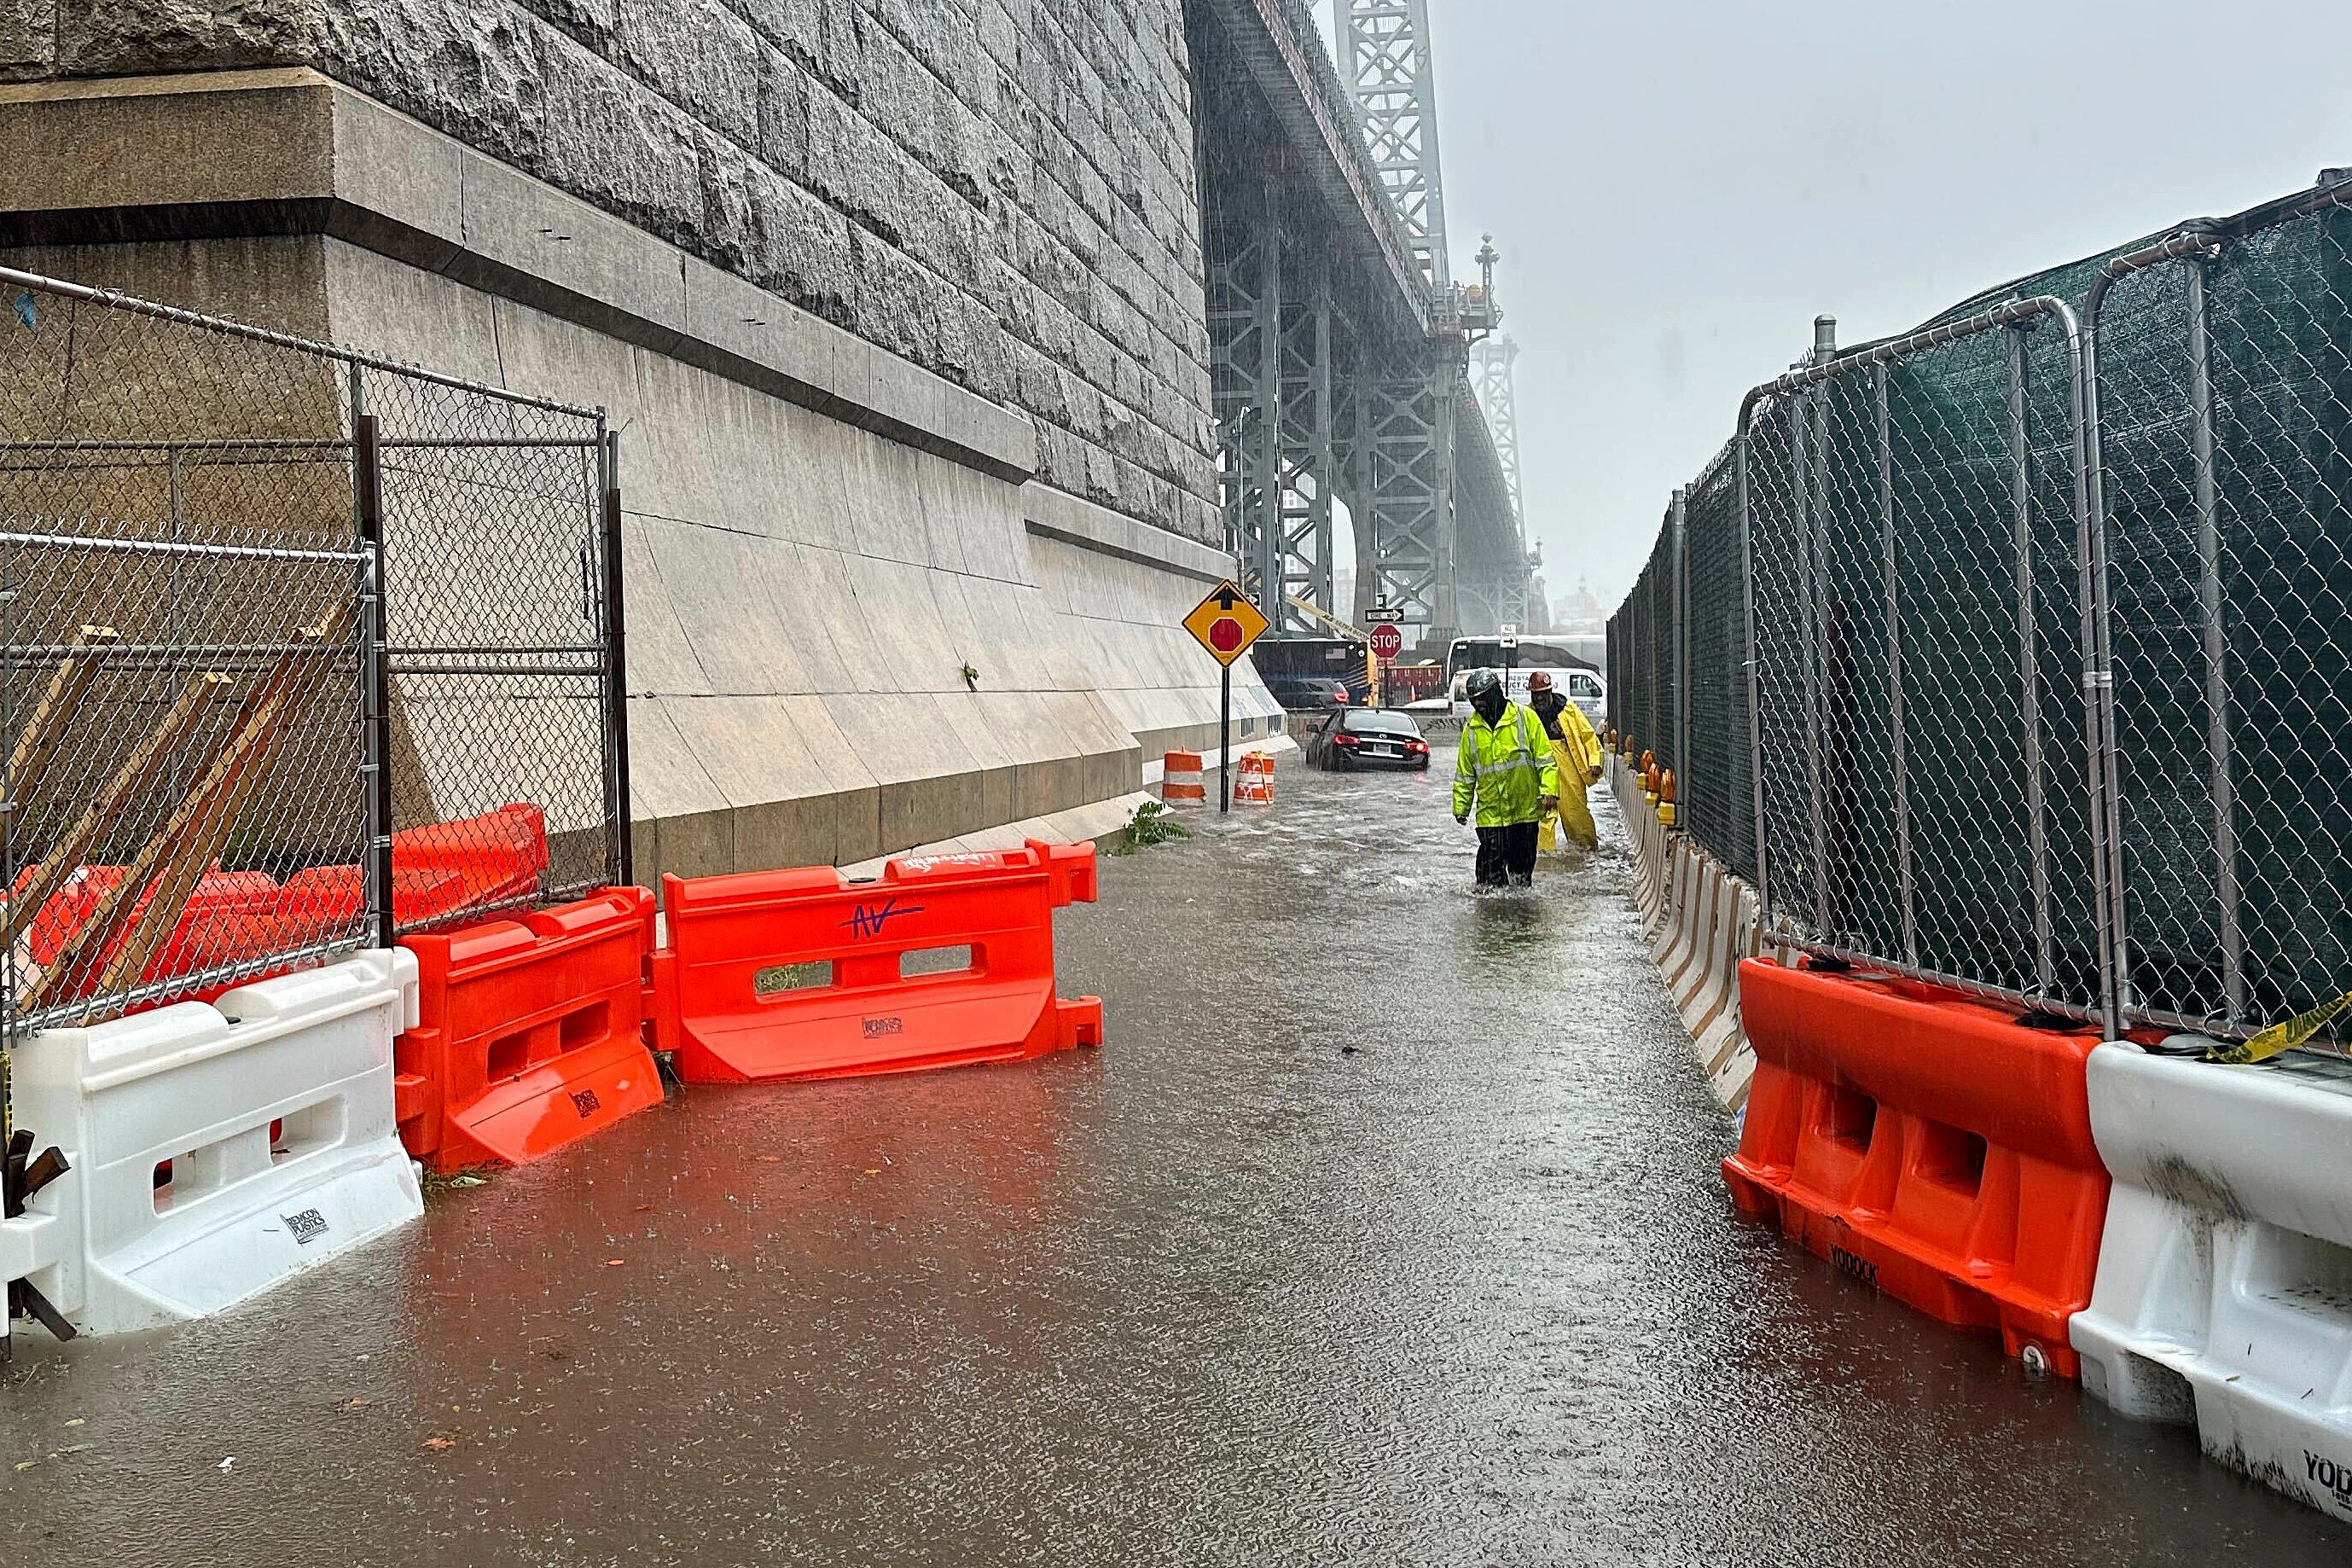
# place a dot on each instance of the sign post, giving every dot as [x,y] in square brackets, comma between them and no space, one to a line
[1387,643]
[1225,623]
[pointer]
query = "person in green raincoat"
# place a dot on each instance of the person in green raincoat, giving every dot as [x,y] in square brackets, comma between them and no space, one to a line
[1507,772]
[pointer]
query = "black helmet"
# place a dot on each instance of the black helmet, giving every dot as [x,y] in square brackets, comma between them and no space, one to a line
[1482,683]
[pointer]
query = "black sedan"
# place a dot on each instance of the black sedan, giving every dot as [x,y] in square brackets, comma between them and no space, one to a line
[1368,737]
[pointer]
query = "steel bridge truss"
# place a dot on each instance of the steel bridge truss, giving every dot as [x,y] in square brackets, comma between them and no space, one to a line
[1387,55]
[1338,400]
[1306,426]
[1492,363]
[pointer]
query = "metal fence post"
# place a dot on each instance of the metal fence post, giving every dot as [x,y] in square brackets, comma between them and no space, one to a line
[2217,674]
[1740,487]
[8,808]
[2020,477]
[1897,759]
[375,662]
[616,663]
[1680,729]
[2099,678]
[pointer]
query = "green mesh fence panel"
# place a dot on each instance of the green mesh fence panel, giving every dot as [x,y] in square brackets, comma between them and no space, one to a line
[1921,559]
[1659,727]
[1716,798]
[2233,682]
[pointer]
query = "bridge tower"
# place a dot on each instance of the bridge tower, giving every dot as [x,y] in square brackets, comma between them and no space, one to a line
[1386,51]
[1274,335]
[1492,376]
[1408,471]
[1339,339]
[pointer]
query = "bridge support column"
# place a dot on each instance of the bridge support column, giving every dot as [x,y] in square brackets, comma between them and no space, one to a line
[1405,440]
[1309,471]
[1273,345]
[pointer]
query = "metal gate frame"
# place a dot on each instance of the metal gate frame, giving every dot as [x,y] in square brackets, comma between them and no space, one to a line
[2194,249]
[1781,926]
[370,551]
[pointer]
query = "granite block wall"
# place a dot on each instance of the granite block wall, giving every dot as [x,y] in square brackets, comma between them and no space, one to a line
[1001,191]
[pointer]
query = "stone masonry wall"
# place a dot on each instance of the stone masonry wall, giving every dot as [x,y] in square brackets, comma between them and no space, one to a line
[1001,190]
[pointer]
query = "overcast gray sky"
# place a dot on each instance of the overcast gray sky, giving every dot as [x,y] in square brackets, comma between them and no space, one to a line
[1677,189]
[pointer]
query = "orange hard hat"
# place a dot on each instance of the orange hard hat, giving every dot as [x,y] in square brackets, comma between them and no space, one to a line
[1539,681]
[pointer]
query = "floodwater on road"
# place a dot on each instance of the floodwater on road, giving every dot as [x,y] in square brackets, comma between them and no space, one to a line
[1386,1228]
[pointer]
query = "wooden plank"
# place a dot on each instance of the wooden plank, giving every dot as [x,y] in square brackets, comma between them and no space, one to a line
[188,841]
[186,854]
[36,743]
[134,778]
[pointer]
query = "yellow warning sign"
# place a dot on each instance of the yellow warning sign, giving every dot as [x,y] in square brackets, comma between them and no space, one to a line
[1226,624]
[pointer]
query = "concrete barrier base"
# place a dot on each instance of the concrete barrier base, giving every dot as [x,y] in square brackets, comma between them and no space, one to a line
[1700,922]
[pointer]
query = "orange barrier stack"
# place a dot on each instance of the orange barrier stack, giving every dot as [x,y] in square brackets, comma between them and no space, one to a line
[1926,1144]
[1180,779]
[941,960]
[438,873]
[1255,784]
[531,1034]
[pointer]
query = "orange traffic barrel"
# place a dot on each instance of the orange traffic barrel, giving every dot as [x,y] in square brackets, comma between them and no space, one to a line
[1254,786]
[1180,779]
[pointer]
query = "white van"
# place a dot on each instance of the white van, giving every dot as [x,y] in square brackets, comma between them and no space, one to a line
[1515,659]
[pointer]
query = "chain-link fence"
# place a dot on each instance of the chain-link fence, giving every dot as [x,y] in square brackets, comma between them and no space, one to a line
[2045,649]
[2222,403]
[1907,530]
[300,646]
[1716,783]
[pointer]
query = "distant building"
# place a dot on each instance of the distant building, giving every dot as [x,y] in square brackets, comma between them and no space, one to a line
[1578,611]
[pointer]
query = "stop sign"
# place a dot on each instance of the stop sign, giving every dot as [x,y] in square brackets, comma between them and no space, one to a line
[1387,642]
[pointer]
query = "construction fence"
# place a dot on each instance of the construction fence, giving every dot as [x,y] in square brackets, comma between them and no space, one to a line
[300,650]
[2011,653]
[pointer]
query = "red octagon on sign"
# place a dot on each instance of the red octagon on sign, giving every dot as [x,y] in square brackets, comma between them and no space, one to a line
[1387,642]
[1225,634]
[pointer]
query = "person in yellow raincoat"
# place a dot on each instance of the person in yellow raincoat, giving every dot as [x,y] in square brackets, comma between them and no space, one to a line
[1578,750]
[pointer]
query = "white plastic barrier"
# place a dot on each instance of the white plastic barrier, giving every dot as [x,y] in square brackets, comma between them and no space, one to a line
[2224,1290]
[1672,896]
[215,1150]
[31,1245]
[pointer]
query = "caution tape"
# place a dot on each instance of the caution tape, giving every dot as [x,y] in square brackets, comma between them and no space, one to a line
[2262,1047]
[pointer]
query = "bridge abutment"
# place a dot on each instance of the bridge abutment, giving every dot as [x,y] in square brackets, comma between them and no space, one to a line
[821,535]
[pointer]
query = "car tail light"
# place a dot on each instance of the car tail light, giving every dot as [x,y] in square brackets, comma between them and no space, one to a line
[1416,745]
[1343,739]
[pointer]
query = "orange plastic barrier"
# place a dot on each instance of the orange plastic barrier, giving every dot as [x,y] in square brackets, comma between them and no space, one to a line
[438,872]
[1926,1144]
[220,898]
[530,1035]
[941,960]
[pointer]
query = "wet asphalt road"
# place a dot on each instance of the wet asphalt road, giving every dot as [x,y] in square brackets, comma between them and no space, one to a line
[1386,1229]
